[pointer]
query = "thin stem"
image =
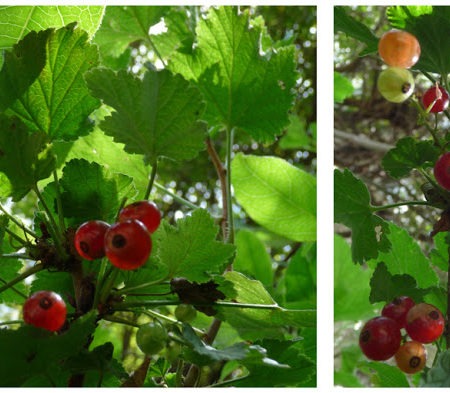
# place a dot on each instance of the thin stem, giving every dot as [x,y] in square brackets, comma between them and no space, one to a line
[19,322]
[176,197]
[62,225]
[21,255]
[23,276]
[55,230]
[152,179]
[221,174]
[101,274]
[16,237]
[115,319]
[157,315]
[20,224]
[14,289]
[229,202]
[108,285]
[408,203]
[156,303]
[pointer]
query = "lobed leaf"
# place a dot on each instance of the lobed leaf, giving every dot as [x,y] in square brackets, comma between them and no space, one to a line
[58,102]
[352,208]
[190,249]
[244,89]
[154,116]
[17,21]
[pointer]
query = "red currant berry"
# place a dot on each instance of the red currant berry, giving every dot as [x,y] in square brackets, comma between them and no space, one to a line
[399,48]
[128,244]
[380,338]
[45,309]
[411,357]
[442,171]
[436,98]
[144,211]
[398,309]
[424,323]
[90,239]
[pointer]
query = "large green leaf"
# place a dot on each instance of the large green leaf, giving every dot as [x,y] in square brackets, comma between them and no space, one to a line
[439,375]
[243,88]
[406,257]
[352,208]
[252,258]
[21,66]
[299,371]
[123,25]
[276,195]
[345,23]
[257,323]
[91,192]
[351,302]
[384,375]
[18,21]
[58,102]
[190,248]
[31,351]
[409,154]
[155,116]
[25,158]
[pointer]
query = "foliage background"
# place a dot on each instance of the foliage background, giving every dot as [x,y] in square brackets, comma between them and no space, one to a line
[196,180]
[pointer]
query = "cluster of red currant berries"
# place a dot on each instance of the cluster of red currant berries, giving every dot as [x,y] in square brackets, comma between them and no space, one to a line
[127,243]
[400,50]
[381,338]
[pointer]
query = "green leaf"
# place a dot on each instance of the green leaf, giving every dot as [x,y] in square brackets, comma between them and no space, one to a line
[91,192]
[439,254]
[297,136]
[123,25]
[347,24]
[25,158]
[190,249]
[385,286]
[299,371]
[406,257]
[430,25]
[202,354]
[384,375]
[351,302]
[255,323]
[352,208]
[30,351]
[398,15]
[100,148]
[299,283]
[243,89]
[18,21]
[409,154]
[155,116]
[439,375]
[343,87]
[99,360]
[276,195]
[58,102]
[21,66]
[252,258]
